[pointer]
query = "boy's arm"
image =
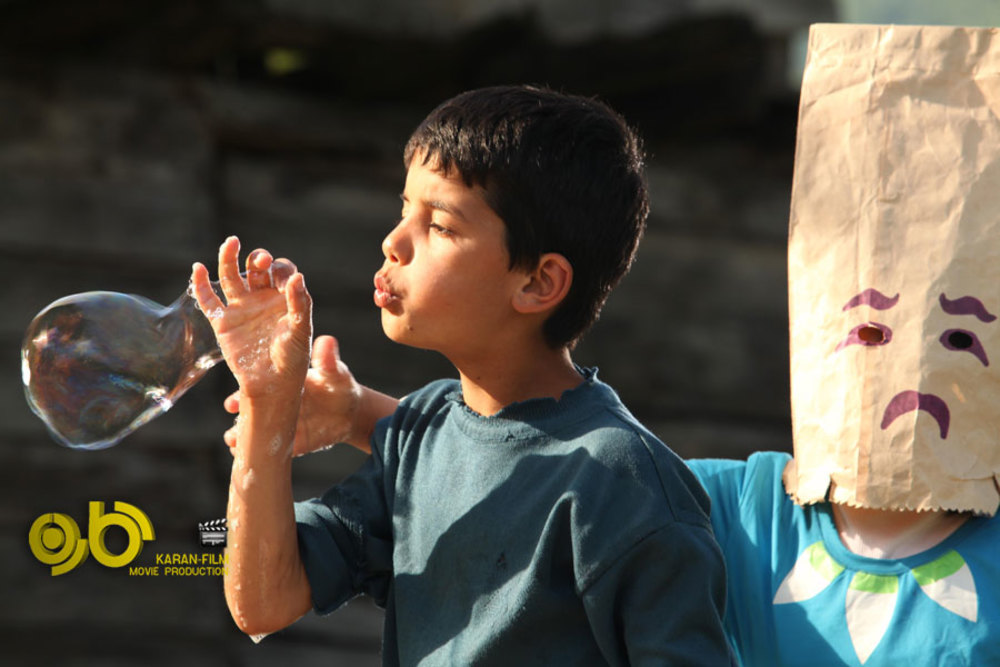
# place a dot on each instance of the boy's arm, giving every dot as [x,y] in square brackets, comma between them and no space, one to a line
[264,335]
[663,601]
[334,408]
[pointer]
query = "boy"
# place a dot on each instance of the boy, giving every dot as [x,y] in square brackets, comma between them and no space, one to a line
[519,515]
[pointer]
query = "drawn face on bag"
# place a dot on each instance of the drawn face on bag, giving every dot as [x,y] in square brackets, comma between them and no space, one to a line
[923,403]
[877,334]
[894,272]
[896,398]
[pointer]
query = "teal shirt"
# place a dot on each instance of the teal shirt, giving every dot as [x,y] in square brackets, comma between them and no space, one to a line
[798,596]
[553,533]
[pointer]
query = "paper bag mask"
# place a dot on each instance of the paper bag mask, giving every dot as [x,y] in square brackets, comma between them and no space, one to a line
[894,270]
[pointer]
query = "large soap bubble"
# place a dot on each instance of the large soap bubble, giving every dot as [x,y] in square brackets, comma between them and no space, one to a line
[96,366]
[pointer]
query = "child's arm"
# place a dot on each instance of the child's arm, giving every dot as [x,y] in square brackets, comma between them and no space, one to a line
[663,601]
[264,335]
[335,408]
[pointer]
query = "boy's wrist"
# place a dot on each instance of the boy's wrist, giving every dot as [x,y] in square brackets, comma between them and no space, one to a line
[272,399]
[372,406]
[266,424]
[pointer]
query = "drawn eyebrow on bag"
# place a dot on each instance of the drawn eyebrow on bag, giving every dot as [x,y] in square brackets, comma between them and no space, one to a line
[966,305]
[872,297]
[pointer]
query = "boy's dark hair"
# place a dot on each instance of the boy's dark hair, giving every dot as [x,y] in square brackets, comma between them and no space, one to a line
[565,174]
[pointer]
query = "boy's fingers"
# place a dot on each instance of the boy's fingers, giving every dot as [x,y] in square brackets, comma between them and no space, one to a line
[229,437]
[206,297]
[259,264]
[281,270]
[326,354]
[298,301]
[229,269]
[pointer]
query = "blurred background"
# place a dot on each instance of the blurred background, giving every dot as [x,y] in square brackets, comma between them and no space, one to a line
[135,135]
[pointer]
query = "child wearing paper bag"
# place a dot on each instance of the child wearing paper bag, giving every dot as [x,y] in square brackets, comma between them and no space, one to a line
[876,544]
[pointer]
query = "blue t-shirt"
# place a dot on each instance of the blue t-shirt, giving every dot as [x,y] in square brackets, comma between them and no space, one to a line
[552,533]
[798,596]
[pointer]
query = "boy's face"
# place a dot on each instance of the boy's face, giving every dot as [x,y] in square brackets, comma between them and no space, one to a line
[445,283]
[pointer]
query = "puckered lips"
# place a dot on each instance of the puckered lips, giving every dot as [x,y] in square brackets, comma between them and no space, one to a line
[908,401]
[384,296]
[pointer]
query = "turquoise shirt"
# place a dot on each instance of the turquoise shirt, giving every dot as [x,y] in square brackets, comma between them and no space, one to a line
[797,596]
[553,533]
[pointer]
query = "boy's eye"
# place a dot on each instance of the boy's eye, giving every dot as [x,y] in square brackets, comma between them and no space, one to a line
[962,340]
[867,334]
[438,229]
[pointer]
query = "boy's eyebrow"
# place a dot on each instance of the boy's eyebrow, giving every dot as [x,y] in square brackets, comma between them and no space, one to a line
[439,205]
[447,208]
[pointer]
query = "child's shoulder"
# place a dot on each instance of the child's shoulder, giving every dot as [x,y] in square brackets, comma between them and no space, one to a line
[759,470]
[619,443]
[432,393]
[417,409]
[614,431]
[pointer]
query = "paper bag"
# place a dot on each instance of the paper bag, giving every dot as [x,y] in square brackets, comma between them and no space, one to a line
[894,269]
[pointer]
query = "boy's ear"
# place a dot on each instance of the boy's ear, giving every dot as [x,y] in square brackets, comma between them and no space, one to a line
[546,286]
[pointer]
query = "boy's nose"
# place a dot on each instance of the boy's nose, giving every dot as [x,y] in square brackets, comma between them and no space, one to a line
[395,246]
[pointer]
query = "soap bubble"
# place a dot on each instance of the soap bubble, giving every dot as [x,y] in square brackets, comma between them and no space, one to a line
[96,366]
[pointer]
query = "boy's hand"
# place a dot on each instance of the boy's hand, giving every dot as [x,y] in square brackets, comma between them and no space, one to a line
[263,331]
[330,403]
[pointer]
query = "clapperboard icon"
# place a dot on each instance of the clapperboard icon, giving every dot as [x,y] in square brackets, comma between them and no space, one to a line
[213,533]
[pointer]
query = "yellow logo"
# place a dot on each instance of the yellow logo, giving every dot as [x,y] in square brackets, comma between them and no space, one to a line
[55,538]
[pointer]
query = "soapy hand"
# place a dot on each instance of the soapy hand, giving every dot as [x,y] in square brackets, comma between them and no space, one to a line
[263,330]
[330,403]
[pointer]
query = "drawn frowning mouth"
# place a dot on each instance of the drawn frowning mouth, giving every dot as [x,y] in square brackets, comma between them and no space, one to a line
[908,401]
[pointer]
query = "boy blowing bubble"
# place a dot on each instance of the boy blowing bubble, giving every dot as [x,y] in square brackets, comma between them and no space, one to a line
[519,515]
